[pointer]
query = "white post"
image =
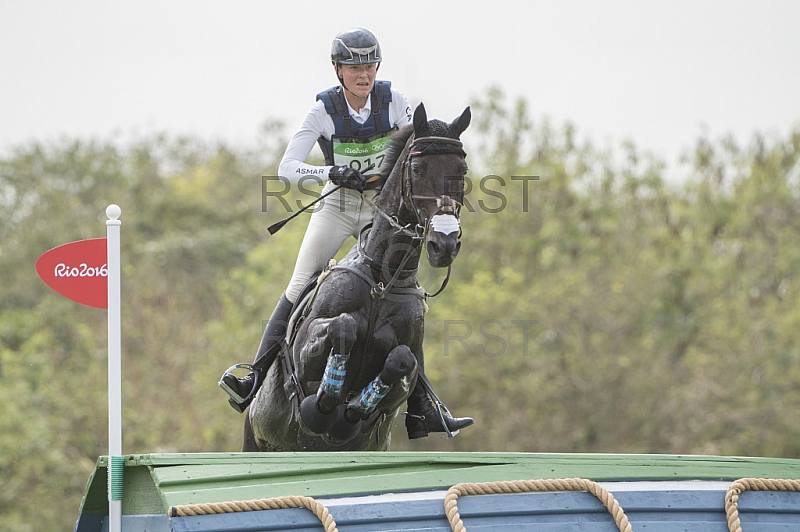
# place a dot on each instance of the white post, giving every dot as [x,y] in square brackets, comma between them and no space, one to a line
[115,461]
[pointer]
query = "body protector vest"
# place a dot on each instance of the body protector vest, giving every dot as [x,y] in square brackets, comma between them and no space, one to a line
[354,144]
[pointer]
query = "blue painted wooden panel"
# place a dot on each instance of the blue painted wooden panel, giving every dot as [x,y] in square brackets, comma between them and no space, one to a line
[649,511]
[132,523]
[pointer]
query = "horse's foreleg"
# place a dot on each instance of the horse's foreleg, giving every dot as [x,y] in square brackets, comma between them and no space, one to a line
[317,412]
[342,334]
[399,363]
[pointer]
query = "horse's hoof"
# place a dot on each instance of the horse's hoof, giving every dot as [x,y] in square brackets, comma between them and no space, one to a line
[314,420]
[342,429]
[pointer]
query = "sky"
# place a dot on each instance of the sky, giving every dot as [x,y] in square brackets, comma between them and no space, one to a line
[658,73]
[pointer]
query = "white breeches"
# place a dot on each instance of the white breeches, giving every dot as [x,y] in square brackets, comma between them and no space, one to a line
[344,213]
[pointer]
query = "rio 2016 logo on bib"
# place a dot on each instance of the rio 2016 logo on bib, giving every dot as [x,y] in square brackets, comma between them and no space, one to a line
[358,154]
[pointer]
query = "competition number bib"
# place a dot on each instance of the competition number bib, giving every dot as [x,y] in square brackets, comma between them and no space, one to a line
[360,153]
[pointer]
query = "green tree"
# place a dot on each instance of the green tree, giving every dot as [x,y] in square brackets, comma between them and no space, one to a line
[595,307]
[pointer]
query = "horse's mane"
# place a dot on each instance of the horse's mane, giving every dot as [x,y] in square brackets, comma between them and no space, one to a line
[399,140]
[435,128]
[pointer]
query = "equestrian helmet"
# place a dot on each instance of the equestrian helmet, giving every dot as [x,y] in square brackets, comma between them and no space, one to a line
[355,47]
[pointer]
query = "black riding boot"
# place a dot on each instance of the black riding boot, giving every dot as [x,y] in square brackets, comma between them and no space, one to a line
[243,390]
[423,417]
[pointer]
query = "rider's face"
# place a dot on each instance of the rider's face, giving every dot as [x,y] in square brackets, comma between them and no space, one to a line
[358,79]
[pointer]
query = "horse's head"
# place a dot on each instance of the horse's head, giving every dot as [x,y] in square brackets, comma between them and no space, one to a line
[434,183]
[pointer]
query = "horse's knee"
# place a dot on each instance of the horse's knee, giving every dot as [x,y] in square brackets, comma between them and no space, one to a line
[399,363]
[343,332]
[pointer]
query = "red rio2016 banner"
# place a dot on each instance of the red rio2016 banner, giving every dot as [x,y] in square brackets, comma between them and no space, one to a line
[78,271]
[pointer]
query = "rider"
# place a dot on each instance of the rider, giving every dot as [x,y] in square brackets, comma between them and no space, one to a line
[352,123]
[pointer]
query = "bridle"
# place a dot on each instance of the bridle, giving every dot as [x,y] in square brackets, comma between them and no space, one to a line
[444,203]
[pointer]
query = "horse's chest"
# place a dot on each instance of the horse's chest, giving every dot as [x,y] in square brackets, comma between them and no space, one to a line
[391,324]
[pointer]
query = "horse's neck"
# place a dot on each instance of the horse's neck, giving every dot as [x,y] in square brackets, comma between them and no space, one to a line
[389,247]
[385,243]
[390,199]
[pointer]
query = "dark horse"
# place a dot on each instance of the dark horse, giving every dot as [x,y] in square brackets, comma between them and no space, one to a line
[355,340]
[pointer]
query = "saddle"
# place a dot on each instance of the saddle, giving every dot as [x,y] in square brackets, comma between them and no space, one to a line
[291,384]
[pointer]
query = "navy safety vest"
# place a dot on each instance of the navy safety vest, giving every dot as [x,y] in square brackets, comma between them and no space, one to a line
[354,144]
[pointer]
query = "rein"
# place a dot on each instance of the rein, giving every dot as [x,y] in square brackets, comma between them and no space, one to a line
[379,289]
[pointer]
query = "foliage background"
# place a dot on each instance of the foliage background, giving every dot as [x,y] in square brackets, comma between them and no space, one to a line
[598,307]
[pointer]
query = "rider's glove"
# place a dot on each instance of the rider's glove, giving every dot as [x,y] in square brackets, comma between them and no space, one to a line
[347,177]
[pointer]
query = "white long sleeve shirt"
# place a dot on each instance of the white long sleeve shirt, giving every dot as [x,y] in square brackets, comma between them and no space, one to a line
[318,123]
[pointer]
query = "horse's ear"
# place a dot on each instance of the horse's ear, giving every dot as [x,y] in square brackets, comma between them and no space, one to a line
[421,122]
[460,124]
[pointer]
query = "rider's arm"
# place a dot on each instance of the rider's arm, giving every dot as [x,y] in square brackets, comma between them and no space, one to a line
[400,113]
[316,124]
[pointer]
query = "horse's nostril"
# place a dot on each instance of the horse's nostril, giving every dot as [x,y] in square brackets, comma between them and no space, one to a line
[456,249]
[433,247]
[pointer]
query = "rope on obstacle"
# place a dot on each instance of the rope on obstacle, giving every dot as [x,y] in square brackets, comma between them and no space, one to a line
[490,488]
[522,486]
[316,507]
[752,484]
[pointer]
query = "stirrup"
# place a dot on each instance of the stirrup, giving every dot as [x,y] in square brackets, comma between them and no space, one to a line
[235,397]
[441,410]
